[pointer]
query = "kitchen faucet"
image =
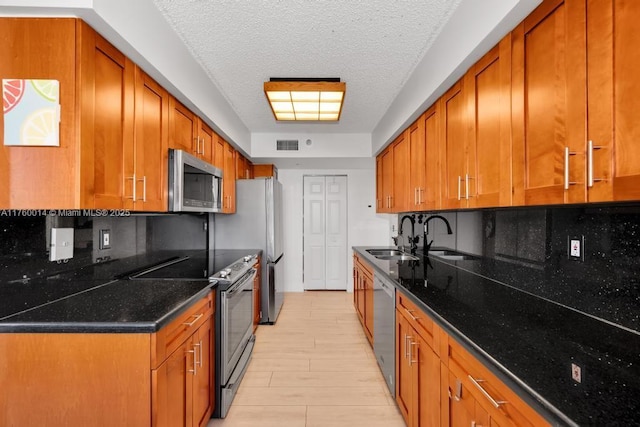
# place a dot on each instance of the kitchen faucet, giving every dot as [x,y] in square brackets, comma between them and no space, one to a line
[413,241]
[427,246]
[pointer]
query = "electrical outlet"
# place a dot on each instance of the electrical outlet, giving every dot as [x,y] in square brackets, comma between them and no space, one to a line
[576,373]
[575,248]
[105,239]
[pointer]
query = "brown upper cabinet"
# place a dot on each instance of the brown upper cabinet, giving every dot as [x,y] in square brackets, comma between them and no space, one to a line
[267,170]
[548,116]
[190,133]
[549,104]
[243,167]
[218,152]
[453,123]
[401,172]
[612,149]
[487,88]
[417,178]
[86,169]
[149,177]
[423,154]
[229,179]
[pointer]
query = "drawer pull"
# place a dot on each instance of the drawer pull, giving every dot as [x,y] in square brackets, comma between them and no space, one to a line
[495,403]
[414,318]
[197,317]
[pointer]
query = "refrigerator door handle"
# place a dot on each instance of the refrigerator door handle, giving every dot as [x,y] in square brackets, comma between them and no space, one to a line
[277,260]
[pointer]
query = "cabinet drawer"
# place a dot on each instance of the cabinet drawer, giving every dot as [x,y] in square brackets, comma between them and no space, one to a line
[169,338]
[419,320]
[502,404]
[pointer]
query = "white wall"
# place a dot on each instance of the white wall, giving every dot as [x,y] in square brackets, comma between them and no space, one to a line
[322,145]
[364,226]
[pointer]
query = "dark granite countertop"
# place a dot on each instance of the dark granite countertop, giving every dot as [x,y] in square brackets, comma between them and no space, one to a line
[527,341]
[101,299]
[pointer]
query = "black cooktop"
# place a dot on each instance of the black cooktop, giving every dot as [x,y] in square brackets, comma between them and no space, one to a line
[198,265]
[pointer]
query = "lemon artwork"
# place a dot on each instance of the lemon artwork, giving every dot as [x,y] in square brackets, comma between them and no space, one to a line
[31,112]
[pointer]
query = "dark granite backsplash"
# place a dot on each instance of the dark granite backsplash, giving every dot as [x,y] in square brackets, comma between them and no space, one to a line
[25,241]
[533,244]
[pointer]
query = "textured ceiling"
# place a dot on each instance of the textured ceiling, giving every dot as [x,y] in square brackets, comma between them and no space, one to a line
[372,45]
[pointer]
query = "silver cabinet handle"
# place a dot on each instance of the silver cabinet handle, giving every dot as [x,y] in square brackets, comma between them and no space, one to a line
[420,192]
[197,317]
[133,179]
[459,191]
[567,153]
[590,178]
[411,345]
[198,360]
[466,186]
[409,312]
[415,196]
[194,371]
[406,346]
[476,382]
[144,188]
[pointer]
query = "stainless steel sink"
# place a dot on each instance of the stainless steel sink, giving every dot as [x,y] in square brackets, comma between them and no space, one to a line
[451,255]
[403,257]
[392,255]
[385,252]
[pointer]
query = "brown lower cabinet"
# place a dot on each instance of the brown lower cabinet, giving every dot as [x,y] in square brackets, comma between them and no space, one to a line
[363,295]
[439,383]
[109,379]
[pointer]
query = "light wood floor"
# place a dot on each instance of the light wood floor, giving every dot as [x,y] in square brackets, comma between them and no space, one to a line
[313,368]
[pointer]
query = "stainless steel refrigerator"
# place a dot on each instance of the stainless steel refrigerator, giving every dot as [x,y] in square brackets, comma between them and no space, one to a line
[257,224]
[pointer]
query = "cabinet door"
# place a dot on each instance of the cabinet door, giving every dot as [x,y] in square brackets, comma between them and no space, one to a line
[203,385]
[452,151]
[367,285]
[404,372]
[229,179]
[205,142]
[431,194]
[113,119]
[30,177]
[173,389]
[549,104]
[426,389]
[241,167]
[401,173]
[183,128]
[464,410]
[151,143]
[218,152]
[387,180]
[614,100]
[418,168]
[488,92]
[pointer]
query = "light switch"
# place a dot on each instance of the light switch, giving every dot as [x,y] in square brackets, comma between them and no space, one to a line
[61,244]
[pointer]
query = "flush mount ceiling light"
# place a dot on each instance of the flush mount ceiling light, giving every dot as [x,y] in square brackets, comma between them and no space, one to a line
[305,99]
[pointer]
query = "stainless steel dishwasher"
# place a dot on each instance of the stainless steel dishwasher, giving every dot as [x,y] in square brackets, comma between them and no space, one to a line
[384,329]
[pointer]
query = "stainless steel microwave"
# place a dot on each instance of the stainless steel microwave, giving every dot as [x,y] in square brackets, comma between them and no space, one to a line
[194,185]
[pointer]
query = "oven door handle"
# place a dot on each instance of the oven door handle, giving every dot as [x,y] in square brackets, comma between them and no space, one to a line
[248,278]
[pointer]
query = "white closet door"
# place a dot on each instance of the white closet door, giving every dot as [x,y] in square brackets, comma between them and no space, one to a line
[325,232]
[336,232]
[314,232]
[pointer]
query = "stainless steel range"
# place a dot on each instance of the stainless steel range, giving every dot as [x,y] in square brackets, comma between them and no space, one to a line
[234,337]
[234,330]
